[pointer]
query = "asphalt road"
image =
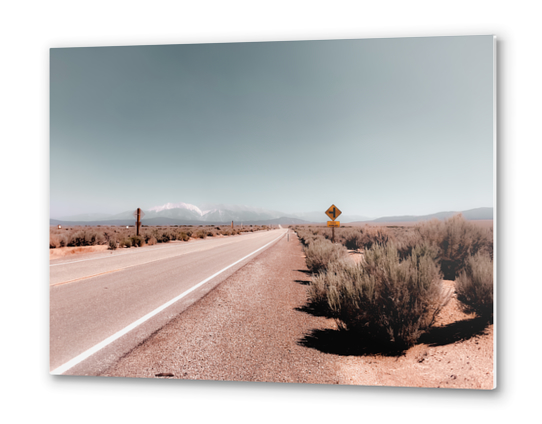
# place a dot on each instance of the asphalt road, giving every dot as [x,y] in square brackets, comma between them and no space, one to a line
[103,305]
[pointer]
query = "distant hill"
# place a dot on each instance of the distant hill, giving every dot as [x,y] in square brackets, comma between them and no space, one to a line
[219,214]
[173,221]
[321,217]
[471,214]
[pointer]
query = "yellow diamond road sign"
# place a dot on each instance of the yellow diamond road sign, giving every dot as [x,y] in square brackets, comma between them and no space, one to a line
[333,212]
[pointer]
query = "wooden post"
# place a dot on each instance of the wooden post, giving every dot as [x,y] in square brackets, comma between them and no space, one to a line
[138,221]
[232,224]
[332,234]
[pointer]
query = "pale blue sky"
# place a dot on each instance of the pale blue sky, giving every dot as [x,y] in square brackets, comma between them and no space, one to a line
[377,126]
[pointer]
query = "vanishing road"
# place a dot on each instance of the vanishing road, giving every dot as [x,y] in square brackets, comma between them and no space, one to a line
[103,305]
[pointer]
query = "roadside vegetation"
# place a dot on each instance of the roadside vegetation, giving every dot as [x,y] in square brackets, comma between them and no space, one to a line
[394,293]
[121,237]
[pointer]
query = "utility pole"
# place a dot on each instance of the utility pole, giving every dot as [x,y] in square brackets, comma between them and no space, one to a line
[138,214]
[138,222]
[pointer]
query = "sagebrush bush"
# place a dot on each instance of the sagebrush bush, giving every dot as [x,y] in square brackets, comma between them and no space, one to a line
[112,244]
[320,253]
[86,237]
[371,236]
[164,236]
[182,236]
[408,240]
[384,298]
[57,240]
[137,241]
[474,286]
[350,238]
[457,239]
[127,242]
[338,272]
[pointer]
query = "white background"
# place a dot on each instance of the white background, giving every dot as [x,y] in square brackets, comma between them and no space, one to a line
[29,29]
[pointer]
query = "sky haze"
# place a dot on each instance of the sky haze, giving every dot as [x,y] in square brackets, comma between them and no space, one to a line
[399,126]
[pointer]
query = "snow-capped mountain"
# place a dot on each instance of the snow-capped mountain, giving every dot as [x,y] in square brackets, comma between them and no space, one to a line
[180,205]
[209,213]
[221,213]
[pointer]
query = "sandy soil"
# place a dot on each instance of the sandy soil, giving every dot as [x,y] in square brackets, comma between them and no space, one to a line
[458,353]
[61,252]
[256,326]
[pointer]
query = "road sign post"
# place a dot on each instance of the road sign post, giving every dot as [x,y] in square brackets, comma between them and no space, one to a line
[333,212]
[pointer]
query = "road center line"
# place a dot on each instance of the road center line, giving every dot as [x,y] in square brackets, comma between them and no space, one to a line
[139,264]
[90,276]
[89,352]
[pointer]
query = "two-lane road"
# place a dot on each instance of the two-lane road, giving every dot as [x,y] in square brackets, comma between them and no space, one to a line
[103,306]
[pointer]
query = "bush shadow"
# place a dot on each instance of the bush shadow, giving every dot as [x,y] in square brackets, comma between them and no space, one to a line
[455,332]
[349,343]
[346,343]
[313,310]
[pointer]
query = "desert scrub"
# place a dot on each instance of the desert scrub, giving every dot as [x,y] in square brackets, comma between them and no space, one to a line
[474,286]
[382,298]
[307,236]
[86,237]
[137,241]
[457,239]
[320,253]
[182,236]
[127,242]
[164,236]
[349,238]
[201,233]
[341,271]
[57,240]
[357,238]
[408,239]
[112,244]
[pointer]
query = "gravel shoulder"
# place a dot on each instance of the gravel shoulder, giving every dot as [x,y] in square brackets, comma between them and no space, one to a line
[253,327]
[246,329]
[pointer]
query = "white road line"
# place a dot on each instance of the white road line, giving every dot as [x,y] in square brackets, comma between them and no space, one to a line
[86,354]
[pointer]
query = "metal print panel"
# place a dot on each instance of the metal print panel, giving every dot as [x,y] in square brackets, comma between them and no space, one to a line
[302,212]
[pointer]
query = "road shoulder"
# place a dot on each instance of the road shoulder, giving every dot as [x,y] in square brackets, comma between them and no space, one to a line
[246,329]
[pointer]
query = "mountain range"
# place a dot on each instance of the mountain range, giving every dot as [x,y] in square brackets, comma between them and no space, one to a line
[220,214]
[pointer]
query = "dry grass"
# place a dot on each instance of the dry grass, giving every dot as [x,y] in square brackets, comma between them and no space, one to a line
[69,239]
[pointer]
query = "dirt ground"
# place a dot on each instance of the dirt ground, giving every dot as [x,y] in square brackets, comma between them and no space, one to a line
[61,252]
[256,326]
[457,353]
